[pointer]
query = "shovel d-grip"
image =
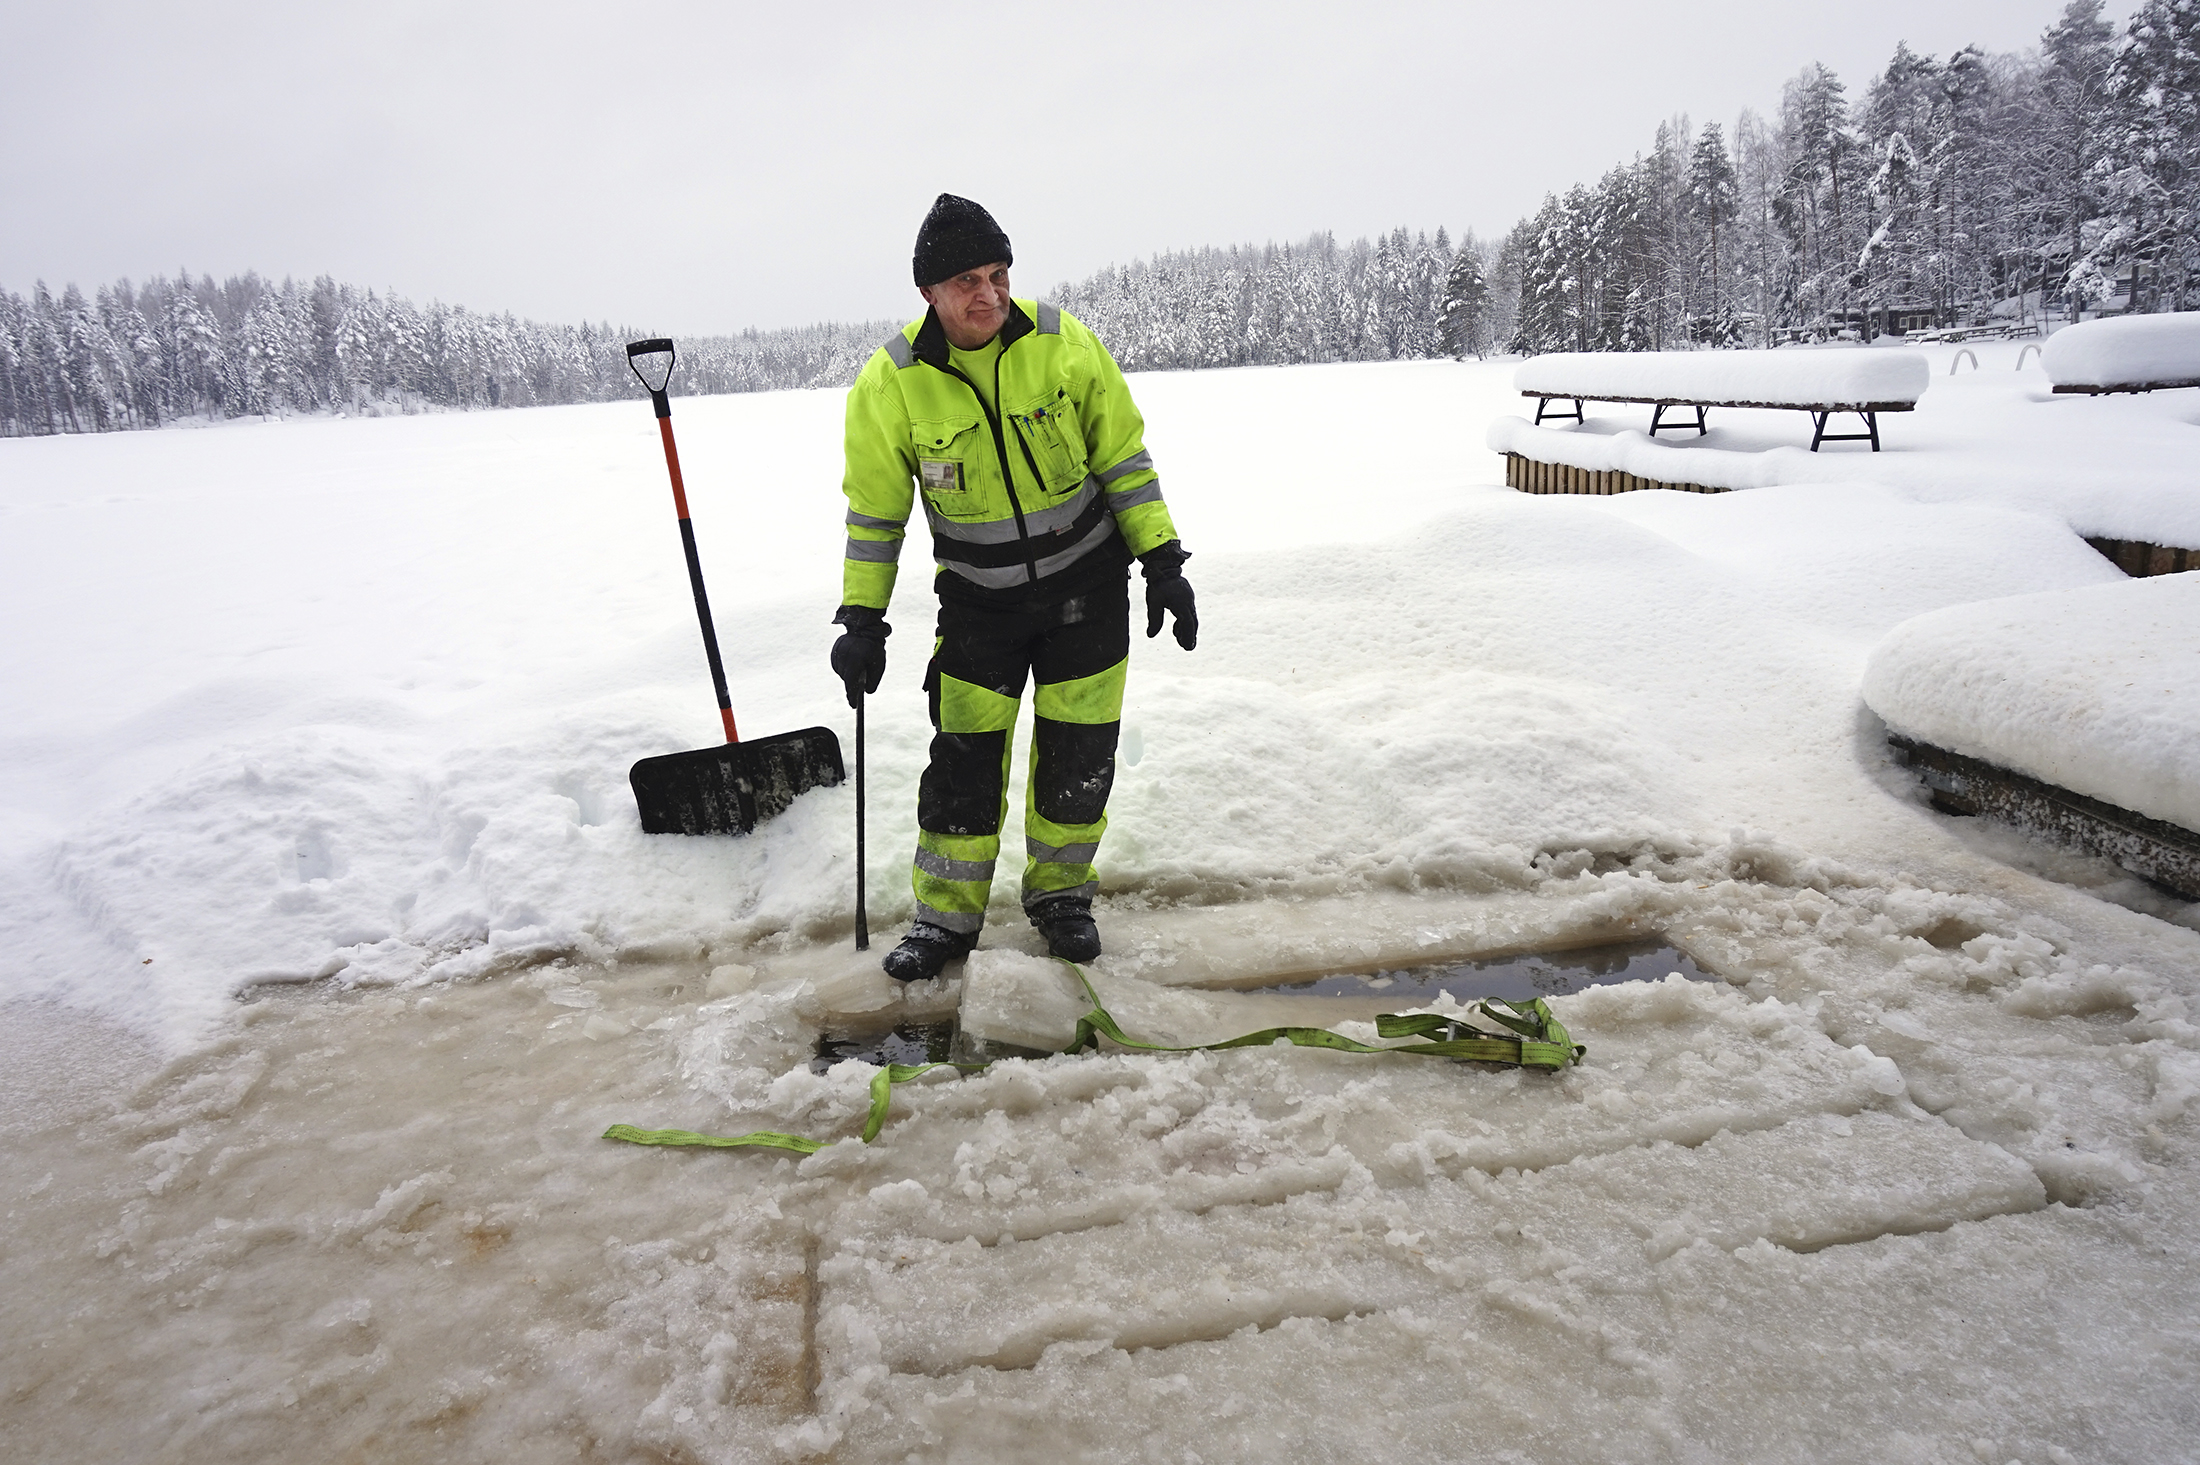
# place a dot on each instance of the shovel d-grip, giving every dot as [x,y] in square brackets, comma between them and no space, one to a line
[729,789]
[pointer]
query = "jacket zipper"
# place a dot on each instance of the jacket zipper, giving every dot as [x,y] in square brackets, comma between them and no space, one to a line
[1000,451]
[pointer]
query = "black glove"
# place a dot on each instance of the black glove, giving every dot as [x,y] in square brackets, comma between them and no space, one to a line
[859,656]
[1168,590]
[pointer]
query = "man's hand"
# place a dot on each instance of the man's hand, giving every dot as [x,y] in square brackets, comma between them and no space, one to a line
[859,656]
[1168,592]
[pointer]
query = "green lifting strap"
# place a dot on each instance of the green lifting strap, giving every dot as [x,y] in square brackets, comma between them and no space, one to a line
[1536,1040]
[882,1094]
[1540,1041]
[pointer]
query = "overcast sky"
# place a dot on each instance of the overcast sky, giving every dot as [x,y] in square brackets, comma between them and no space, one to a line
[699,167]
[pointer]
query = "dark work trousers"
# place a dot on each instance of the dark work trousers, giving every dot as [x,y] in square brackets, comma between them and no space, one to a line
[1075,651]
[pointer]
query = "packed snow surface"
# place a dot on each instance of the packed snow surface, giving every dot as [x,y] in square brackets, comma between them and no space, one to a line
[2094,689]
[1797,377]
[1915,1180]
[2127,350]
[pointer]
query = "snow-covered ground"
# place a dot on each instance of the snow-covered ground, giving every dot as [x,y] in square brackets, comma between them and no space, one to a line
[354,701]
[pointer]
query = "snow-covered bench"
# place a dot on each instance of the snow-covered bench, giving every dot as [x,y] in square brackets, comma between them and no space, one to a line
[1866,382]
[2125,353]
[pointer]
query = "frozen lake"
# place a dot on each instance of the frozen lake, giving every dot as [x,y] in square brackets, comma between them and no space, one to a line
[332,946]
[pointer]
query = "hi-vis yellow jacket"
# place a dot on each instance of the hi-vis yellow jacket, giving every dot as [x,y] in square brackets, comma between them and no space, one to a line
[1016,499]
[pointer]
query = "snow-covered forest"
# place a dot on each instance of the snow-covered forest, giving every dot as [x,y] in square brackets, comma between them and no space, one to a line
[1949,191]
[1399,297]
[169,350]
[173,350]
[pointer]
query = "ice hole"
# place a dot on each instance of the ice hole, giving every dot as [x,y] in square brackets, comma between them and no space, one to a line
[1541,974]
[909,1042]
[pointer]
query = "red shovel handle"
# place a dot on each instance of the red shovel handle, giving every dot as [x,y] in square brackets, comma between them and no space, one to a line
[663,404]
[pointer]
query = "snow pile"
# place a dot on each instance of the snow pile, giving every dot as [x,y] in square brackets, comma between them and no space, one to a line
[2128,350]
[2092,689]
[1836,377]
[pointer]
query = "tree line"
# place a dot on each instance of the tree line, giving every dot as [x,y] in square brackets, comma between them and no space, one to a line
[184,349]
[130,356]
[1398,296]
[1951,191]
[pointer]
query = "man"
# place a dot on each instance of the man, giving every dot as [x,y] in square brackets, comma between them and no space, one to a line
[1015,427]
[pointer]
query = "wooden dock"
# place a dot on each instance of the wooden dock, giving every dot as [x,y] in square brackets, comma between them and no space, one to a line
[1530,476]
[2164,854]
[2137,558]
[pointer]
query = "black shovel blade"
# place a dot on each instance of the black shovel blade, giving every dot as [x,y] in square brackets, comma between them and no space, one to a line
[732,788]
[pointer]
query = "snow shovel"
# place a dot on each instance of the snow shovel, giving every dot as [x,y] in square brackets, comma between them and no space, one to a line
[733,788]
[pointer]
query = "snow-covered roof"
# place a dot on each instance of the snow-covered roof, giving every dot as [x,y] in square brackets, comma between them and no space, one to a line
[2126,350]
[1798,377]
[2091,689]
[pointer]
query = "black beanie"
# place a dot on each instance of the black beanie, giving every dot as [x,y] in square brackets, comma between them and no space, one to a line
[956,235]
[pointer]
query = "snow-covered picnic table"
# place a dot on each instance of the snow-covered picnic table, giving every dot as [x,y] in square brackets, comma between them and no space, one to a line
[1866,382]
[2128,353]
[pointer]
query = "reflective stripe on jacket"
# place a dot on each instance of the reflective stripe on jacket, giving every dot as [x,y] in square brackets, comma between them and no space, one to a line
[1015,498]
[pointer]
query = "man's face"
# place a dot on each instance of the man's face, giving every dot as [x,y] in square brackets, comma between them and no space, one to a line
[973,305]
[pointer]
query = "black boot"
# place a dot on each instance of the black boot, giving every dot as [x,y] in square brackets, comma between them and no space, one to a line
[925,950]
[1066,922]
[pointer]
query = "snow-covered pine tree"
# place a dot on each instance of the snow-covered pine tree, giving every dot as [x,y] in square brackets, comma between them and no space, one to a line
[1463,322]
[2155,82]
[2079,51]
[1768,267]
[1713,201]
[1819,143]
[201,359]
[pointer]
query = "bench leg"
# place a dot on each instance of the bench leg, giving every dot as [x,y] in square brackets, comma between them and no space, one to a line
[1870,432]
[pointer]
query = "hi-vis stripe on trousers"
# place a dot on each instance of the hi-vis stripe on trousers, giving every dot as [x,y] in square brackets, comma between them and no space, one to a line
[1076,652]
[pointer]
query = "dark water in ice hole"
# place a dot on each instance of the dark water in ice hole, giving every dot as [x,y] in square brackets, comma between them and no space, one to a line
[1550,974]
[910,1042]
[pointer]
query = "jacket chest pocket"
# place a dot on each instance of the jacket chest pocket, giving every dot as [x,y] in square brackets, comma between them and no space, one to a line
[947,452]
[1050,428]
